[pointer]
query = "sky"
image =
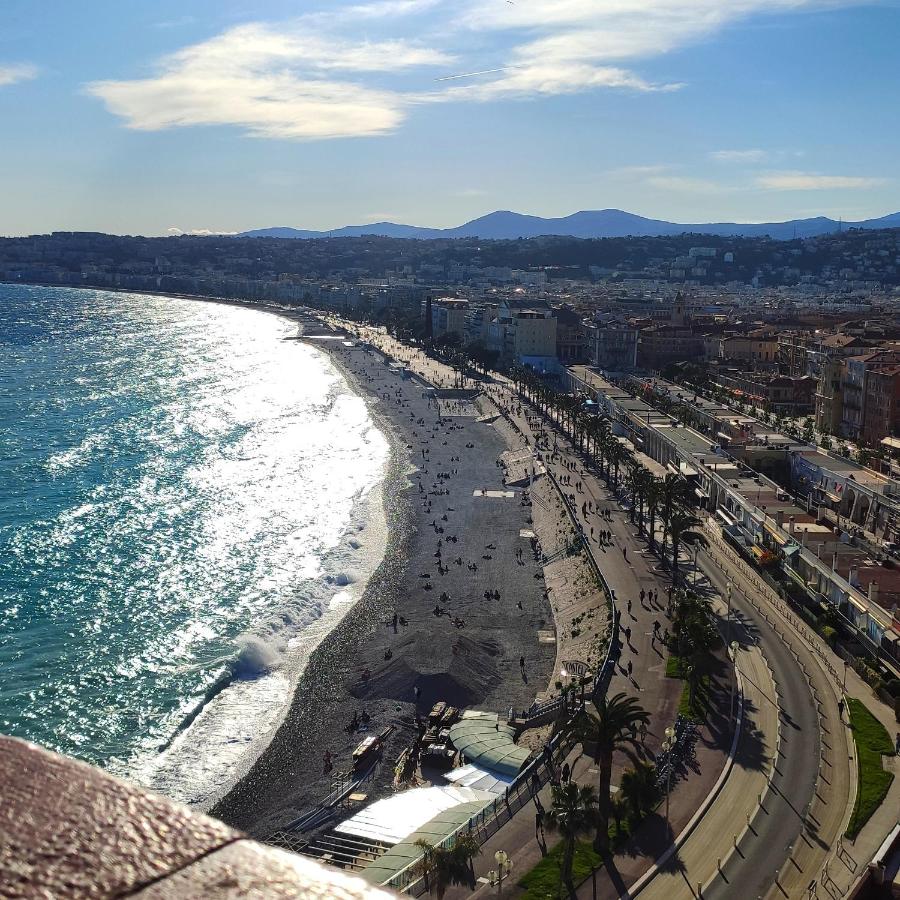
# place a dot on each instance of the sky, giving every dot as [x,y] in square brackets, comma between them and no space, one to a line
[159,116]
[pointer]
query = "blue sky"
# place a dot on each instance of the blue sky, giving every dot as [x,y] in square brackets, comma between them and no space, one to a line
[227,115]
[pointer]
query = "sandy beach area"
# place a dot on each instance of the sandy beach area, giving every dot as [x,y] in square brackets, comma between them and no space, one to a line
[456,605]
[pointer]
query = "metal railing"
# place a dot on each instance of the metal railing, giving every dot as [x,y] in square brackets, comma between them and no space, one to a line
[489,820]
[494,815]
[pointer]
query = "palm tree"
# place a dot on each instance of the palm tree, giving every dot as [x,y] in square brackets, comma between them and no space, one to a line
[640,483]
[654,499]
[674,490]
[573,812]
[601,441]
[621,456]
[696,635]
[638,792]
[443,867]
[680,525]
[612,727]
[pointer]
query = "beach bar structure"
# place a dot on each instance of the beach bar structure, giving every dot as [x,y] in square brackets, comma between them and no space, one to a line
[489,744]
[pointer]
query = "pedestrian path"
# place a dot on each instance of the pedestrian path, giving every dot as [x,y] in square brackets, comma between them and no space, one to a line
[827,860]
[714,838]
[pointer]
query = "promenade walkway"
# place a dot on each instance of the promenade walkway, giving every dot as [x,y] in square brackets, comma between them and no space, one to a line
[726,848]
[712,840]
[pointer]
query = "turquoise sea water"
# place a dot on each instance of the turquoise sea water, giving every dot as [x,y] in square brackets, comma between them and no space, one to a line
[182,516]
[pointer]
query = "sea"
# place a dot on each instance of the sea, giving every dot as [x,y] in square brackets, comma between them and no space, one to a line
[190,501]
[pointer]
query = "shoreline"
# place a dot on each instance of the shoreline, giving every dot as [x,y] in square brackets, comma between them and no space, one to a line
[288,776]
[474,664]
[370,514]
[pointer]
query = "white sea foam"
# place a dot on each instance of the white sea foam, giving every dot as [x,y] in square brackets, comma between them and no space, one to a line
[235,725]
[256,657]
[207,510]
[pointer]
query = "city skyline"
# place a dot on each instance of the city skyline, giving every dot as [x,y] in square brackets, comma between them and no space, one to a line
[229,119]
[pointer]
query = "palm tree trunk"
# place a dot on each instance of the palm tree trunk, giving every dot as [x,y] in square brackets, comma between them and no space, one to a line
[568,859]
[604,804]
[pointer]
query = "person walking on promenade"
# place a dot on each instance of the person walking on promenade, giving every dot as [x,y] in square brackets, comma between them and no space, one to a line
[625,554]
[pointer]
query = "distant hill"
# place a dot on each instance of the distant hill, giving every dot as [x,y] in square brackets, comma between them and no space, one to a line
[601,223]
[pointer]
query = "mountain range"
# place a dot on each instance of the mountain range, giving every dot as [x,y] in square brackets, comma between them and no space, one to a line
[602,223]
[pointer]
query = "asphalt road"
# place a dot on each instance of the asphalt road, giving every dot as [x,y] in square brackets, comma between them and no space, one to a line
[751,871]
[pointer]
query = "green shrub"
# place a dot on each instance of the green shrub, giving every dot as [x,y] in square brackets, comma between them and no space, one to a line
[673,666]
[872,742]
[830,635]
[542,882]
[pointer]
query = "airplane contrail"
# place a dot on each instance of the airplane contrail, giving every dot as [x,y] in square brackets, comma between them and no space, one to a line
[474,74]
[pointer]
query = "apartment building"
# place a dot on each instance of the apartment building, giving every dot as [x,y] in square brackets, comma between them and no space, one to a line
[881,405]
[854,390]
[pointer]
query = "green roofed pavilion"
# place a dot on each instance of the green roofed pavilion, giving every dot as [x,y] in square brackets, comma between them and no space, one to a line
[484,741]
[383,869]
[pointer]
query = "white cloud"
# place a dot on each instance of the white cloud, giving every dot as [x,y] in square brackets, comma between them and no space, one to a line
[14,73]
[638,171]
[564,39]
[316,77]
[273,83]
[685,184]
[739,156]
[387,8]
[537,79]
[807,181]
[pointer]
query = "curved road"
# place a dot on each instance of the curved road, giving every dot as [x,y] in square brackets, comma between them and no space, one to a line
[778,824]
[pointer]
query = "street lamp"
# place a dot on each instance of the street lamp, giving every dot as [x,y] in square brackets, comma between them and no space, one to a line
[504,867]
[668,746]
[728,591]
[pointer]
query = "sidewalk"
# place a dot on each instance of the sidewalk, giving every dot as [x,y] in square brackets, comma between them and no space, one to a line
[819,854]
[838,866]
[660,695]
[715,836]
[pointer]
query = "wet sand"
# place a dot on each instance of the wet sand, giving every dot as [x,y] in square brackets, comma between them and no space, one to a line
[468,656]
